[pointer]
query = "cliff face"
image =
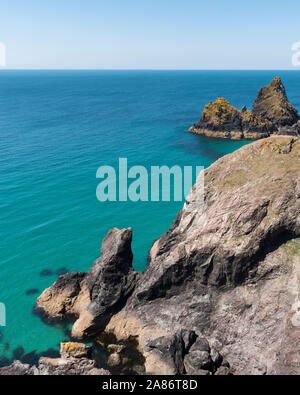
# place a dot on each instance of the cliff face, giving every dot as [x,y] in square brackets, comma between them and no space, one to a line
[223,282]
[272,114]
[230,271]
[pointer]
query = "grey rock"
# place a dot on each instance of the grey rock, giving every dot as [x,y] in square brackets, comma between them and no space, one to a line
[216,358]
[111,279]
[114,360]
[17,368]
[199,357]
[171,349]
[223,371]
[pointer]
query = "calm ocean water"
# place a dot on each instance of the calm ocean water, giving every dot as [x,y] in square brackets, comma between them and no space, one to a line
[56,129]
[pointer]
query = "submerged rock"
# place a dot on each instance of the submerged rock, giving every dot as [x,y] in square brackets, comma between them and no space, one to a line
[272,114]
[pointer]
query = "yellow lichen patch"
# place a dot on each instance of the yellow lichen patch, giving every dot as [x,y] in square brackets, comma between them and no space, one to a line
[279,147]
[292,247]
[74,349]
[219,111]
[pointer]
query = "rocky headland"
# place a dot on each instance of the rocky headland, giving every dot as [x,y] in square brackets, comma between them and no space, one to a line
[272,113]
[221,293]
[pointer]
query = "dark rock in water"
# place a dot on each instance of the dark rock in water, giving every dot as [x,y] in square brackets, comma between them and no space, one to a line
[33,357]
[62,271]
[46,273]
[272,114]
[272,103]
[4,361]
[32,291]
[30,358]
[18,352]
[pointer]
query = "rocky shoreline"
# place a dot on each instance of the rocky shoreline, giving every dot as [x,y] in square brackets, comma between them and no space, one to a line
[221,294]
[272,114]
[75,359]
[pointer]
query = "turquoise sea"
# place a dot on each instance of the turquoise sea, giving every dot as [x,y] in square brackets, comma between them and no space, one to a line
[56,129]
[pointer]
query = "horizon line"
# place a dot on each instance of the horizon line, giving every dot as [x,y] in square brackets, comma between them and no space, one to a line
[133,69]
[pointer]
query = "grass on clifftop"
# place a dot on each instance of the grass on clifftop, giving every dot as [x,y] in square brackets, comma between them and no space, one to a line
[292,247]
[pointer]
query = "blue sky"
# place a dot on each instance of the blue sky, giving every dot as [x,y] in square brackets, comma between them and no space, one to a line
[149,34]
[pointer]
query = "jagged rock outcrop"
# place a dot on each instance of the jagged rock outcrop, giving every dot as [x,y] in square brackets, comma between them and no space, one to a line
[229,270]
[95,296]
[272,113]
[272,103]
[74,361]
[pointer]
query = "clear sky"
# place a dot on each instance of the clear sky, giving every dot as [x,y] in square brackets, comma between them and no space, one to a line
[149,34]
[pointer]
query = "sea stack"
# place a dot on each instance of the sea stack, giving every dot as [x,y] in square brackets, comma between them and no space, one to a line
[272,113]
